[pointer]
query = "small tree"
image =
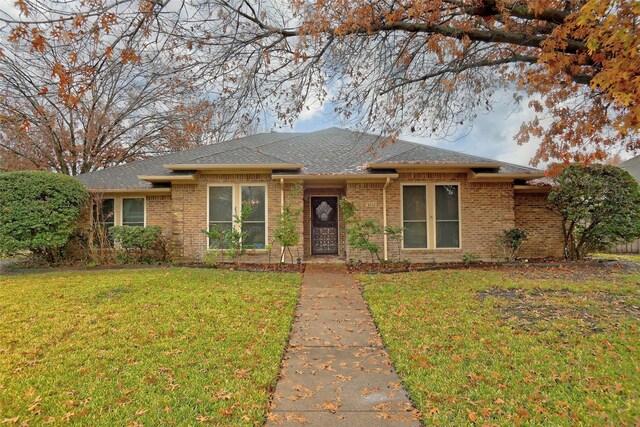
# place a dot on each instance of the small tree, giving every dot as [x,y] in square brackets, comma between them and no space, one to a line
[510,241]
[360,232]
[39,211]
[599,206]
[286,233]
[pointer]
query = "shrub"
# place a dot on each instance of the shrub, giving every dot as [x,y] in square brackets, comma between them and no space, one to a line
[286,231]
[139,244]
[229,242]
[39,211]
[470,257]
[510,241]
[360,231]
[599,206]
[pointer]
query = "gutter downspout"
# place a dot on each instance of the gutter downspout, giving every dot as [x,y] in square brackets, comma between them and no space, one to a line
[384,218]
[281,212]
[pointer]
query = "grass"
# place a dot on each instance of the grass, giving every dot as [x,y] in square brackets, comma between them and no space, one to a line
[626,257]
[485,347]
[142,347]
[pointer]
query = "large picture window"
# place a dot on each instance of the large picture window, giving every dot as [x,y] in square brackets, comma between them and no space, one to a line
[431,216]
[133,212]
[225,201]
[414,216]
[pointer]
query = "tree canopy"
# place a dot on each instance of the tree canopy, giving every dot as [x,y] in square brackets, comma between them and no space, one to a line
[599,206]
[428,67]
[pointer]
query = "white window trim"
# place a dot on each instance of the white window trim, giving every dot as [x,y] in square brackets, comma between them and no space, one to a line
[121,220]
[430,188]
[236,196]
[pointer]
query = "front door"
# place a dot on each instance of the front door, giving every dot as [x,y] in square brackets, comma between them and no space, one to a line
[324,225]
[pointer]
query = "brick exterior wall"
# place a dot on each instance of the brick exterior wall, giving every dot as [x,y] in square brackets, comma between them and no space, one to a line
[544,228]
[189,208]
[159,213]
[486,208]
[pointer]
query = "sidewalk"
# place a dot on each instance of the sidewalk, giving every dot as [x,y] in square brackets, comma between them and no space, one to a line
[336,370]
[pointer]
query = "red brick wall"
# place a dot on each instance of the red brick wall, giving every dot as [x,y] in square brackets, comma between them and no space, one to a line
[544,228]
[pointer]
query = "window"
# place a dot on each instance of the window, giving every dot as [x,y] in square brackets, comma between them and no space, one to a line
[220,212]
[133,212]
[414,216]
[226,200]
[431,216]
[104,213]
[255,225]
[447,217]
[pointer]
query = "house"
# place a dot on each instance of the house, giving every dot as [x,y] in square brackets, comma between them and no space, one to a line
[632,166]
[448,203]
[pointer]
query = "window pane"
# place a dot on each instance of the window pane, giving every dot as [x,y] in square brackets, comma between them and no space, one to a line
[415,234]
[254,197]
[446,202]
[414,202]
[447,234]
[221,227]
[255,235]
[221,204]
[133,212]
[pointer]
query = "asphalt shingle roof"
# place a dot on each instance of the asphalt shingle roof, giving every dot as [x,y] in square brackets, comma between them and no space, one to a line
[330,151]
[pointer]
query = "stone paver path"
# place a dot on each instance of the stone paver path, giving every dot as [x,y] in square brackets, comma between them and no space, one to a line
[336,370]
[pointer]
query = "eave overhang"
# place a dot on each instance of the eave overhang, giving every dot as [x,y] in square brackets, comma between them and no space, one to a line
[432,165]
[153,191]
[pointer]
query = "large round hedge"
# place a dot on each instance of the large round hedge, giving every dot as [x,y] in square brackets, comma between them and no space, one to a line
[38,211]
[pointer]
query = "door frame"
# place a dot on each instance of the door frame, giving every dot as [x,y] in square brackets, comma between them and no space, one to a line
[338,219]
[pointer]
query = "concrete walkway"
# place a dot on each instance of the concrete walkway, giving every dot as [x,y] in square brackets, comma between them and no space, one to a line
[336,371]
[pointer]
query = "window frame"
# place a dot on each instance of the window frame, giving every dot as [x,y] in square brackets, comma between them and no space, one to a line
[236,196]
[430,188]
[144,198]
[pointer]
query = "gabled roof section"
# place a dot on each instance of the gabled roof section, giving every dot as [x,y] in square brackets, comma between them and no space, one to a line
[332,152]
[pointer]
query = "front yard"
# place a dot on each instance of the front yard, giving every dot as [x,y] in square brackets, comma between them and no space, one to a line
[507,347]
[142,347]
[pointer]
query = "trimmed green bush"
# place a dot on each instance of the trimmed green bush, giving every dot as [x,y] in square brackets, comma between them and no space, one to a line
[39,211]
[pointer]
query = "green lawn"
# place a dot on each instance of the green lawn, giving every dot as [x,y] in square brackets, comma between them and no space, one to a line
[498,348]
[153,346]
[626,257]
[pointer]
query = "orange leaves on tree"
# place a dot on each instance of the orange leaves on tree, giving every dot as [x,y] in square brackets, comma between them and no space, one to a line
[22,5]
[129,56]
[38,42]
